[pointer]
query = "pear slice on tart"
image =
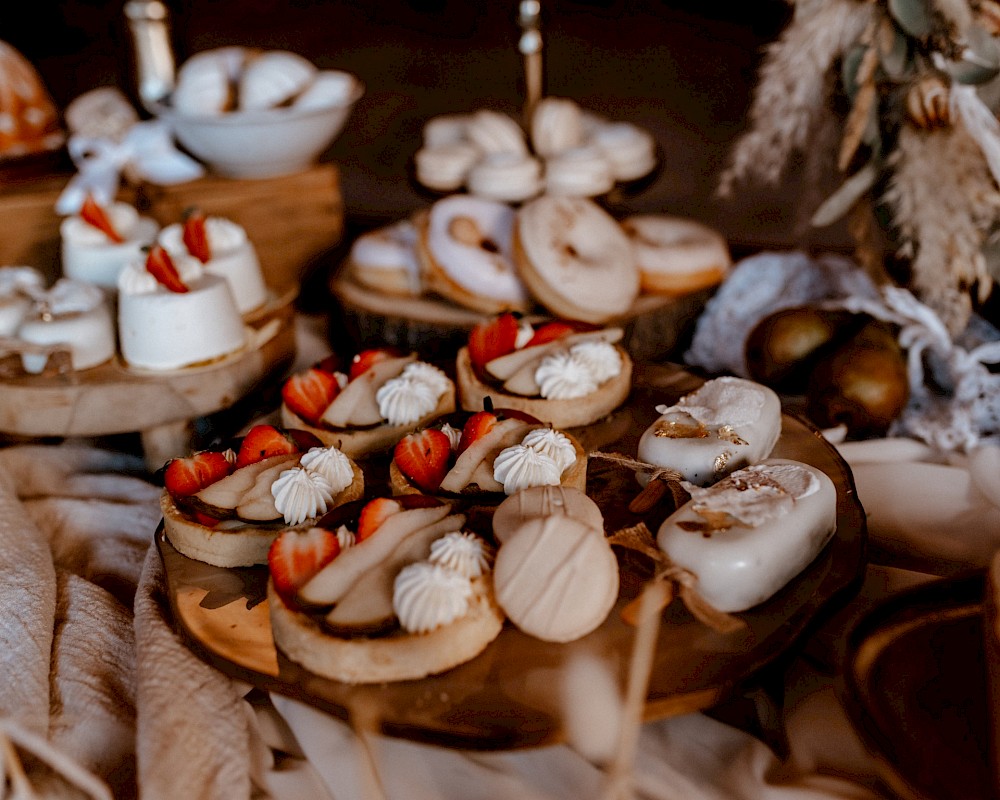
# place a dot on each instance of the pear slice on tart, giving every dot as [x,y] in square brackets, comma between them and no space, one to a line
[366,607]
[243,491]
[356,405]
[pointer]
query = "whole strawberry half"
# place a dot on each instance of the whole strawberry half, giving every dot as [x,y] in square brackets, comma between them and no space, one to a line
[295,556]
[556,329]
[308,394]
[476,427]
[424,458]
[264,441]
[374,514]
[364,360]
[94,215]
[184,477]
[195,235]
[160,265]
[492,339]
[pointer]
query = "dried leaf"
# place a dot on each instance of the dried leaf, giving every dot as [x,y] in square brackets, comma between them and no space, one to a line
[980,61]
[894,51]
[859,120]
[842,200]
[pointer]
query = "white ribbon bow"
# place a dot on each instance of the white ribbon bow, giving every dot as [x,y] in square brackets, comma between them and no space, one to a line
[147,148]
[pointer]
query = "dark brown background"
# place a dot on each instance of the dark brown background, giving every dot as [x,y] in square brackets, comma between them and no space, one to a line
[683,69]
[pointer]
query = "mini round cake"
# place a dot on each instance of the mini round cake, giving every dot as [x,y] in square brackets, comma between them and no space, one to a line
[225,250]
[173,316]
[225,507]
[72,314]
[384,395]
[98,242]
[560,372]
[15,300]
[676,255]
[395,590]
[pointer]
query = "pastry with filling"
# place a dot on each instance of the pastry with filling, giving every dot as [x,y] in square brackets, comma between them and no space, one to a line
[394,589]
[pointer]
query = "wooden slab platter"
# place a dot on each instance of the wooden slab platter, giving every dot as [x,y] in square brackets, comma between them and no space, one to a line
[916,690]
[112,398]
[653,326]
[506,697]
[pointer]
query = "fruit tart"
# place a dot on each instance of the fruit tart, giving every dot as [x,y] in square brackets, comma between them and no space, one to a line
[495,453]
[561,372]
[225,507]
[384,395]
[392,589]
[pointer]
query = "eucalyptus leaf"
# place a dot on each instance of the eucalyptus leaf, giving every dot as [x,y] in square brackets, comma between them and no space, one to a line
[842,200]
[913,16]
[980,61]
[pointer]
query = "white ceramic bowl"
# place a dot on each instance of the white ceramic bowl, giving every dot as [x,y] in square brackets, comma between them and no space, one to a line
[262,143]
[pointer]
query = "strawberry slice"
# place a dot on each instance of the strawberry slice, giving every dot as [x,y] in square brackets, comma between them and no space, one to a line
[476,427]
[551,331]
[364,360]
[492,339]
[195,236]
[93,214]
[295,556]
[308,394]
[423,458]
[374,514]
[184,477]
[264,441]
[160,265]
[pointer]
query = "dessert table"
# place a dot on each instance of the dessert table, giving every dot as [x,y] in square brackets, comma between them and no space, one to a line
[100,687]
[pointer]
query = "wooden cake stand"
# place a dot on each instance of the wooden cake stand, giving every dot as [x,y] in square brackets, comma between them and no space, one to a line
[113,399]
[436,327]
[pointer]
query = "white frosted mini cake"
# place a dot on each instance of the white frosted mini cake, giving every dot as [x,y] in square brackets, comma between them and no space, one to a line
[175,316]
[15,302]
[74,314]
[225,250]
[97,243]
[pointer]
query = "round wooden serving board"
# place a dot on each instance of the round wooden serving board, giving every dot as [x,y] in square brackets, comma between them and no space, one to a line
[507,697]
[112,398]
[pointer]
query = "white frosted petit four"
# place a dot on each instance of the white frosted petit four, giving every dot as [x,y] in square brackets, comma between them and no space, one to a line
[232,256]
[15,302]
[160,328]
[91,255]
[70,313]
[748,535]
[727,424]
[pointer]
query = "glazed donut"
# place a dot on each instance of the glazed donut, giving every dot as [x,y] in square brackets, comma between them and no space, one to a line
[507,177]
[384,259]
[556,126]
[465,251]
[580,172]
[676,255]
[575,258]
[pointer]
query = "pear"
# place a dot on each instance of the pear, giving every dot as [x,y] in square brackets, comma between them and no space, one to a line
[863,384]
[783,347]
[246,492]
[356,406]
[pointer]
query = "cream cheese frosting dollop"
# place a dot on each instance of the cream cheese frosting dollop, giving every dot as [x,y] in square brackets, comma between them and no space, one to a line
[332,464]
[427,596]
[602,358]
[555,444]
[403,400]
[520,467]
[300,494]
[562,376]
[463,552]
